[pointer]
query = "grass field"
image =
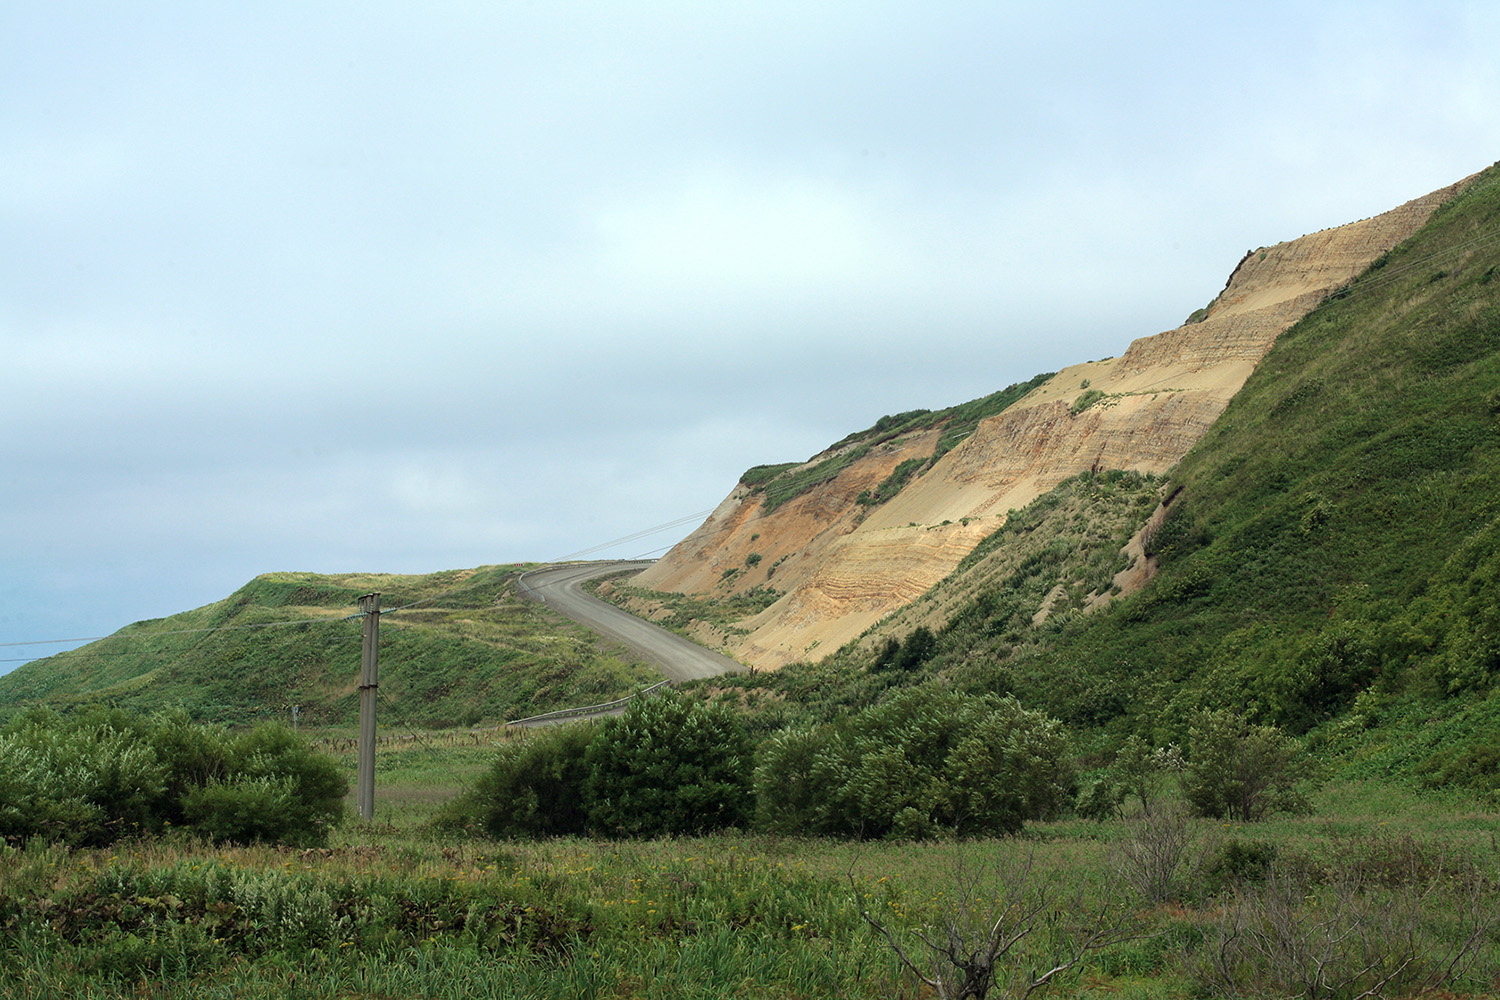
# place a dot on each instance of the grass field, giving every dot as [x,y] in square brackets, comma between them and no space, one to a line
[395,909]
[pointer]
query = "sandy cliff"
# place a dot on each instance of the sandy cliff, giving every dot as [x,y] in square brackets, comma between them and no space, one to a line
[843,566]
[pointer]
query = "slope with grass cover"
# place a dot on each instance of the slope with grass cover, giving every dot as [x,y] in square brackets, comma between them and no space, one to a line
[1328,560]
[871,524]
[467,649]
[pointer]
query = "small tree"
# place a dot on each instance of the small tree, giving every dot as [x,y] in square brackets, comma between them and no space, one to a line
[925,762]
[1141,769]
[1156,856]
[101,774]
[1242,771]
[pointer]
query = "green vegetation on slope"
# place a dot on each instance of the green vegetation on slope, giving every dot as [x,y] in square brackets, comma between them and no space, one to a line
[467,649]
[1060,552]
[692,614]
[1331,559]
[1330,563]
[781,483]
[1336,531]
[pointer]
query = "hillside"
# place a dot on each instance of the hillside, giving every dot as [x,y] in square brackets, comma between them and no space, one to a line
[469,649]
[842,544]
[1328,560]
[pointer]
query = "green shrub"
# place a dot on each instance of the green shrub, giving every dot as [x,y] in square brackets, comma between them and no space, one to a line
[907,656]
[669,765]
[1239,862]
[244,812]
[1242,771]
[1475,767]
[1085,399]
[81,781]
[534,788]
[925,762]
[273,755]
[1141,769]
[91,778]
[1099,801]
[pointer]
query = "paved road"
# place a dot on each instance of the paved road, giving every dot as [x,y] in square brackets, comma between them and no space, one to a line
[561,588]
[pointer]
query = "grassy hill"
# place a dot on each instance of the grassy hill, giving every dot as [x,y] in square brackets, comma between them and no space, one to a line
[467,650]
[1336,531]
[1330,561]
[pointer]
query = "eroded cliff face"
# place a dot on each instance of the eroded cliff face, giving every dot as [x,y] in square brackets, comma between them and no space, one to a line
[843,566]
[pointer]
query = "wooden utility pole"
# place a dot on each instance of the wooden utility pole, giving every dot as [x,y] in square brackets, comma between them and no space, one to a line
[369,681]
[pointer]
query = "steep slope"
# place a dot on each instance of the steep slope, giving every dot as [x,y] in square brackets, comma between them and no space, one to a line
[1333,548]
[843,565]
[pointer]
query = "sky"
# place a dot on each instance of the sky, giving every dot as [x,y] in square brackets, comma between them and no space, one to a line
[399,287]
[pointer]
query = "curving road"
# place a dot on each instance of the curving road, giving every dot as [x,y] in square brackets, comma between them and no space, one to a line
[561,589]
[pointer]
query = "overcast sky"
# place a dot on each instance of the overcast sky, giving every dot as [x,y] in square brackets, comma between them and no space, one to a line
[409,287]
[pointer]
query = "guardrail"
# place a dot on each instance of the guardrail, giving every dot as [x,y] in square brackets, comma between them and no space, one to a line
[600,709]
[525,591]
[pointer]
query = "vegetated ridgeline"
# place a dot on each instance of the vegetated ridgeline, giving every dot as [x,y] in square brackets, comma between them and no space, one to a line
[843,563]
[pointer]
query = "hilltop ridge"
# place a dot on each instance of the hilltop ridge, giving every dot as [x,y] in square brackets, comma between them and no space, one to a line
[841,563]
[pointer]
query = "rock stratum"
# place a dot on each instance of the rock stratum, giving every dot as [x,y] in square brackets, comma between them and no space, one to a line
[842,565]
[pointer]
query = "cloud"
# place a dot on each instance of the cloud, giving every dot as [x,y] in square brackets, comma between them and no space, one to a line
[351,287]
[730,238]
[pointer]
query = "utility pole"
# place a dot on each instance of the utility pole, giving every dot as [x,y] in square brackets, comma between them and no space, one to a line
[369,680]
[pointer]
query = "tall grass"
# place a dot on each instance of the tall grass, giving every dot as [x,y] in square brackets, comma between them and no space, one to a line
[397,910]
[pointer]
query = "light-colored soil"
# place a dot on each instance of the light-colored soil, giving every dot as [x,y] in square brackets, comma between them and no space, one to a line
[844,568]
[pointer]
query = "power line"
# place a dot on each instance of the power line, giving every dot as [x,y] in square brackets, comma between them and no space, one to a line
[1389,275]
[182,631]
[686,519]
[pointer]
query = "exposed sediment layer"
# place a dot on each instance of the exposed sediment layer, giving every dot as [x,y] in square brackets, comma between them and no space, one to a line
[843,567]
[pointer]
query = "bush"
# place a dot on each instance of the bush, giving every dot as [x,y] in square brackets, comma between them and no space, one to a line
[272,755]
[1239,863]
[1140,769]
[1159,856]
[1085,400]
[919,647]
[91,778]
[244,812]
[1004,928]
[1099,800]
[1242,771]
[668,766]
[1475,767]
[1348,941]
[925,762]
[534,788]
